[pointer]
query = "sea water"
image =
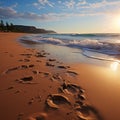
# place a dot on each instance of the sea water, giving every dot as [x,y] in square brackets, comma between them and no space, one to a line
[88,48]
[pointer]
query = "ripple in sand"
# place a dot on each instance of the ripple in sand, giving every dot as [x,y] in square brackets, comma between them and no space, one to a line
[54,100]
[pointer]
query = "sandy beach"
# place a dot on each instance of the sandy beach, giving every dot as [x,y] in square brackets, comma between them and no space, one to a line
[35,86]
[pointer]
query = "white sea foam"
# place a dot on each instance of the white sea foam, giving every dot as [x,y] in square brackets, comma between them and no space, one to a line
[97,46]
[105,44]
[51,41]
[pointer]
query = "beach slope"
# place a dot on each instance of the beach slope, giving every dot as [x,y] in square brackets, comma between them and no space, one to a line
[34,86]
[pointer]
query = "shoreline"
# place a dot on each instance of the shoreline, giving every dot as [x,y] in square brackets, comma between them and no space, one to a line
[74,51]
[30,82]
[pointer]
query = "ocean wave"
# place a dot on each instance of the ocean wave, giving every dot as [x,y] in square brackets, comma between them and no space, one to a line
[105,47]
[114,35]
[99,56]
[51,41]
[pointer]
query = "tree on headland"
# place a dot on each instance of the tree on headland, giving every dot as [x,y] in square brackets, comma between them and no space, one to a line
[11,27]
[6,27]
[2,26]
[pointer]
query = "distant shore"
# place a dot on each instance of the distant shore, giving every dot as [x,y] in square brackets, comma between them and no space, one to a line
[34,86]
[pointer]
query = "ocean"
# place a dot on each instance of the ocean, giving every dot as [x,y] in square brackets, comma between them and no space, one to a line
[88,48]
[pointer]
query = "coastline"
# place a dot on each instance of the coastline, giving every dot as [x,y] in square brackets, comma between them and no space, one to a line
[29,81]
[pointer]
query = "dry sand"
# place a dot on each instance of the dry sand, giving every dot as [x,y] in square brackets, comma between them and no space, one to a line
[33,87]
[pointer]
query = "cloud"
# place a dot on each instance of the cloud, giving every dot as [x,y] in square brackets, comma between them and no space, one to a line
[104,3]
[35,4]
[14,5]
[38,6]
[100,4]
[41,4]
[45,2]
[7,13]
[70,4]
[92,10]
[81,2]
[59,2]
[10,13]
[84,4]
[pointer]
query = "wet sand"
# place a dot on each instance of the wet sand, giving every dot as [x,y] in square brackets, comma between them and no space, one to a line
[34,86]
[102,86]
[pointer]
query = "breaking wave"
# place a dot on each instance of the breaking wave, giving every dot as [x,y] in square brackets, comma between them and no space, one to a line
[98,46]
[105,47]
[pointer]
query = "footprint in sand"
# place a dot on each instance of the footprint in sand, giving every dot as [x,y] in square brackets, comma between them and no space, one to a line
[37,116]
[49,64]
[41,54]
[24,66]
[72,73]
[9,88]
[82,110]
[29,78]
[35,98]
[87,112]
[19,68]
[26,55]
[63,67]
[57,77]
[24,60]
[26,80]
[51,59]
[55,100]
[71,89]
[35,72]
[12,69]
[30,66]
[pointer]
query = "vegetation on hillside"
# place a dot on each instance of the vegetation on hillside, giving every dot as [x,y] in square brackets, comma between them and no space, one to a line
[9,27]
[6,27]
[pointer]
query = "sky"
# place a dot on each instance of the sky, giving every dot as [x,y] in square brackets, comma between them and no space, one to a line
[64,16]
